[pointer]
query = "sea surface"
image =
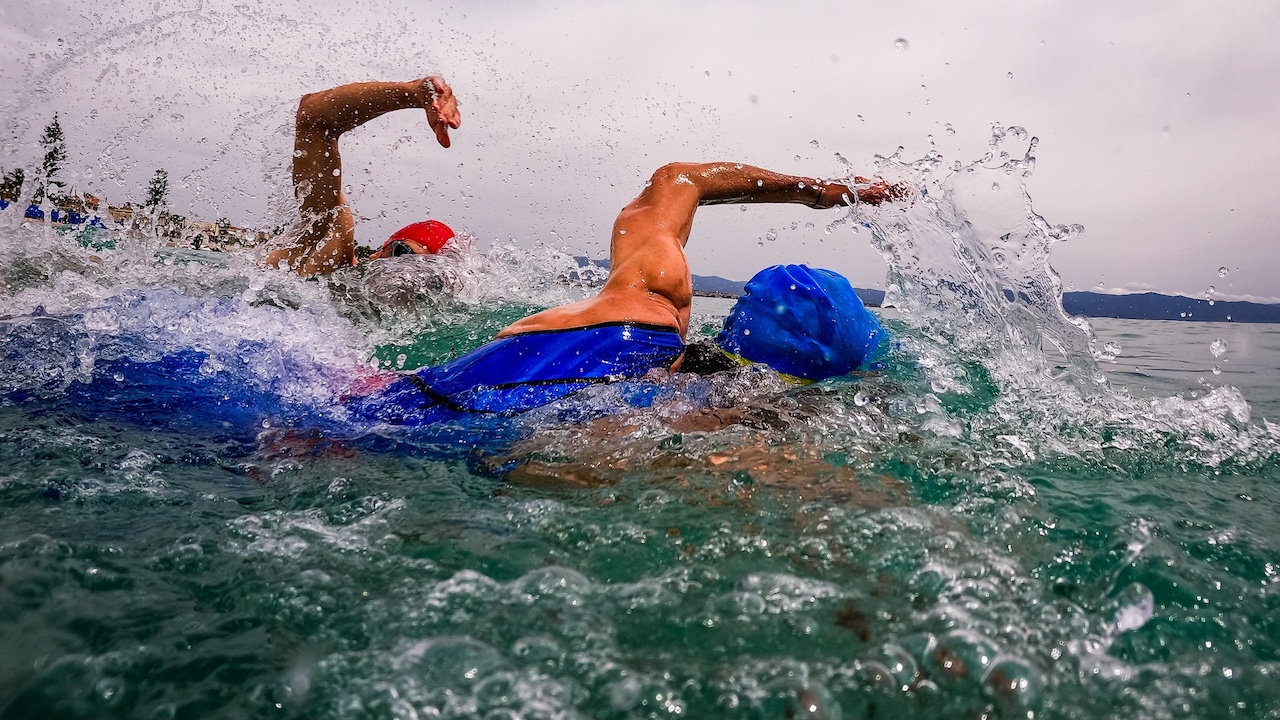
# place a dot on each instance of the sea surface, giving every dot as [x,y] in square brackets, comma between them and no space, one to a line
[1016,514]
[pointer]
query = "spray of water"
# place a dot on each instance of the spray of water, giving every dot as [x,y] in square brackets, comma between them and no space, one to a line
[969,272]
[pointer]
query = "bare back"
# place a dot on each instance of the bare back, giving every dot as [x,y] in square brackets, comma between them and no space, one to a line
[649,279]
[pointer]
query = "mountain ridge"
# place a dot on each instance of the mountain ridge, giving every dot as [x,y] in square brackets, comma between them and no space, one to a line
[1130,306]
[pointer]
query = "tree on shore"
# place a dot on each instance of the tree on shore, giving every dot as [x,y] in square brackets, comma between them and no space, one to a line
[158,191]
[11,185]
[55,154]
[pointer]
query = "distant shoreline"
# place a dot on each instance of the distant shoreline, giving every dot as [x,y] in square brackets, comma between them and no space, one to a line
[1133,306]
[1130,306]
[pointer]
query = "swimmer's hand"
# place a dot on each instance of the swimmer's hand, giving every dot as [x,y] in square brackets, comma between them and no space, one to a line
[441,106]
[874,192]
[871,192]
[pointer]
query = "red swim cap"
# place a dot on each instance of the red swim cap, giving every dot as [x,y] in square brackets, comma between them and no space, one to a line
[431,234]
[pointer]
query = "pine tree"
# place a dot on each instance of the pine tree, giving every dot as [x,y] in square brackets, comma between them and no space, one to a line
[158,191]
[11,185]
[55,154]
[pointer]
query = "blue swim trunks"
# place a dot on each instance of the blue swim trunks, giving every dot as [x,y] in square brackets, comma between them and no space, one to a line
[515,374]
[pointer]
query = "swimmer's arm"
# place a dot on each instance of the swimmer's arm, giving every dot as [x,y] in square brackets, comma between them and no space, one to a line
[327,240]
[675,192]
[720,183]
[346,107]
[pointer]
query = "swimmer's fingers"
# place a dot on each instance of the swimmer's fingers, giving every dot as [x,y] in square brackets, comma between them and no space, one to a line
[874,192]
[833,195]
[441,107]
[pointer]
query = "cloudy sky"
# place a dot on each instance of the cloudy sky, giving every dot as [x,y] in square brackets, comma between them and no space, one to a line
[1156,119]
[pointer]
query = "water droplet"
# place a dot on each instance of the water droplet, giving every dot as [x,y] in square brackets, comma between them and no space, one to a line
[814,143]
[759,243]
[337,172]
[747,331]
[1222,272]
[1218,347]
[793,286]
[948,129]
[771,235]
[759,183]
[118,377]
[901,45]
[1209,291]
[1217,370]
[861,119]
[1112,348]
[622,231]
[995,187]
[1009,75]
[743,208]
[707,73]
[860,399]
[796,158]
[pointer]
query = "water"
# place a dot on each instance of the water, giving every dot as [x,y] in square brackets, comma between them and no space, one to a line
[1020,515]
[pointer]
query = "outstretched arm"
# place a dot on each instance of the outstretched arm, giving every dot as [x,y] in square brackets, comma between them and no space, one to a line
[644,253]
[327,239]
[678,189]
[649,279]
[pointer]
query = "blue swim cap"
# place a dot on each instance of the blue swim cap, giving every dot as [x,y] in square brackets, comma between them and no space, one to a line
[803,322]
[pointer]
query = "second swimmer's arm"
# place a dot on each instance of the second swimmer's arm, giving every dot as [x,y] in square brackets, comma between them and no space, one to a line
[327,239]
[335,111]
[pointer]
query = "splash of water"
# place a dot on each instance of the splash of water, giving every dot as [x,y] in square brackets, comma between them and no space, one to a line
[969,271]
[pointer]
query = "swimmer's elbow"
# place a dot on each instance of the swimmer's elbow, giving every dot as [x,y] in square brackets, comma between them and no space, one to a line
[677,179]
[311,110]
[675,173]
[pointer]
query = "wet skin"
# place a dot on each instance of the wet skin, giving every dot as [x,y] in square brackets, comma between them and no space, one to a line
[649,280]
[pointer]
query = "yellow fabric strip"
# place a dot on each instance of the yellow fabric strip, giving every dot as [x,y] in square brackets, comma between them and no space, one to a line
[745,362]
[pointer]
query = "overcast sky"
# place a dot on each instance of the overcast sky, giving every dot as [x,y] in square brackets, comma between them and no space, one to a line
[1156,120]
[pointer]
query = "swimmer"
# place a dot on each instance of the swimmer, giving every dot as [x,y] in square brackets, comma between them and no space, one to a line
[327,238]
[804,323]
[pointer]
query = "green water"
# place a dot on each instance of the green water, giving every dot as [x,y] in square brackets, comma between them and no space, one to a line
[744,572]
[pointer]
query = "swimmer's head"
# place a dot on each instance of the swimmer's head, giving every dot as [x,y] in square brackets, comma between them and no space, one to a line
[803,322]
[421,238]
